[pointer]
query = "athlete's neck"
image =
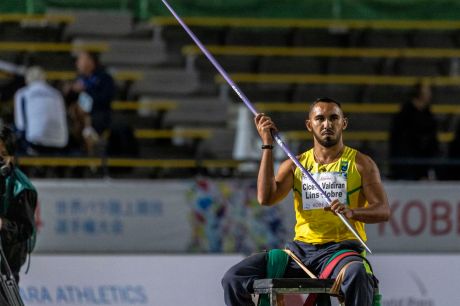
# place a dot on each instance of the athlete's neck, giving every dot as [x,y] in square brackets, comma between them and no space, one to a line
[329,155]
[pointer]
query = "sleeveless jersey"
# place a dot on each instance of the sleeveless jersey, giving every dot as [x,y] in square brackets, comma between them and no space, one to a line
[340,180]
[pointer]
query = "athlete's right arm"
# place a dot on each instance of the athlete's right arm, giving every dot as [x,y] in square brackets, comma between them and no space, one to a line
[271,189]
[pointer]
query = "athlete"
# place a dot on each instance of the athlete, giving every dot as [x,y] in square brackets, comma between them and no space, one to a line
[350,178]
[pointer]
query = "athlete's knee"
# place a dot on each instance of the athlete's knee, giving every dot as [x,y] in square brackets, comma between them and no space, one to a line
[227,279]
[230,278]
[356,271]
[357,285]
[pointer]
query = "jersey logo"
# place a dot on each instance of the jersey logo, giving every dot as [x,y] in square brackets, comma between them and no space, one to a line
[344,165]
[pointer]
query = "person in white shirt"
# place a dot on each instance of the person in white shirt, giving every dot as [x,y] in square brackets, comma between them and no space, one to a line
[40,115]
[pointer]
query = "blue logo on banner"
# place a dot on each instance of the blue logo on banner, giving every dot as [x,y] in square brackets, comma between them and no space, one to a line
[97,295]
[105,217]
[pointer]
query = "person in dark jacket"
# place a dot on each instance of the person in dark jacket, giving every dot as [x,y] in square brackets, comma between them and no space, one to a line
[17,206]
[451,170]
[94,89]
[413,137]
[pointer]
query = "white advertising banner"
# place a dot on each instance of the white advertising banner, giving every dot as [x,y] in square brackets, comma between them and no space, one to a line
[125,280]
[112,216]
[413,280]
[425,218]
[218,216]
[405,280]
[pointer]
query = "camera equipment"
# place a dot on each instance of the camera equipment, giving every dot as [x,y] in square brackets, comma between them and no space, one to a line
[5,169]
[8,286]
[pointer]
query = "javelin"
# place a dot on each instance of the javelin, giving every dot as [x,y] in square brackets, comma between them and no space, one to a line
[248,103]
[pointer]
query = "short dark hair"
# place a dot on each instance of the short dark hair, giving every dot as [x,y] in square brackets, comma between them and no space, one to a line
[325,100]
[8,139]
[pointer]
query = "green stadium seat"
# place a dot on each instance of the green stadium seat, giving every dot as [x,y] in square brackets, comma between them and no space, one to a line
[446,95]
[421,67]
[259,93]
[92,23]
[57,61]
[354,65]
[175,37]
[134,53]
[433,39]
[277,64]
[255,36]
[385,94]
[229,63]
[384,39]
[19,32]
[310,92]
[159,82]
[198,112]
[320,38]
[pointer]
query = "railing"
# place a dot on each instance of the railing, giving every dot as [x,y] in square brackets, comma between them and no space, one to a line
[125,162]
[309,23]
[52,47]
[403,14]
[355,108]
[191,50]
[280,78]
[222,166]
[121,75]
[30,7]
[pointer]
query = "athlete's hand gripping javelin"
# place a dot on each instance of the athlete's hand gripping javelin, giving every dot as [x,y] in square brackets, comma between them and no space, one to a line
[339,208]
[265,126]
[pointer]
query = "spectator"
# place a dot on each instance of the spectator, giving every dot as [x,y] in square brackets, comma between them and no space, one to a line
[19,200]
[94,89]
[10,86]
[40,115]
[451,171]
[16,71]
[413,137]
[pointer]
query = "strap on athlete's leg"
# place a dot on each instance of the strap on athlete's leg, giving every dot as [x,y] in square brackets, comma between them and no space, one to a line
[277,261]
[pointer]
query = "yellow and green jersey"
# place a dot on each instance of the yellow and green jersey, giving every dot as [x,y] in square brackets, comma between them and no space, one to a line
[340,180]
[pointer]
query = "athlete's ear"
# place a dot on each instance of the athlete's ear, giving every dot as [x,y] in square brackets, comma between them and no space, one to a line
[345,123]
[308,125]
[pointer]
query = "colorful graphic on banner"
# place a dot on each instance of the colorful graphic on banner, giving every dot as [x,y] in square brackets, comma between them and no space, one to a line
[226,217]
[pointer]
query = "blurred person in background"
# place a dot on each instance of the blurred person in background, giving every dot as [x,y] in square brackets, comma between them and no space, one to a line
[451,171]
[93,90]
[10,86]
[17,207]
[16,71]
[413,137]
[40,116]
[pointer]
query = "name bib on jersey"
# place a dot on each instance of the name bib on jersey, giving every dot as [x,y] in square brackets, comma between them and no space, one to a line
[333,183]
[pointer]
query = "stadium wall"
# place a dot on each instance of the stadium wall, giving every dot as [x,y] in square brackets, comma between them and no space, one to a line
[329,9]
[168,280]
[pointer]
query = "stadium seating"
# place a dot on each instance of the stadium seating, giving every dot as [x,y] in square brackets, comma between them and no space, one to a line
[277,62]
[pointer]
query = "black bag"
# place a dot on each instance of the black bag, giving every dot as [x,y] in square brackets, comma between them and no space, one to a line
[9,288]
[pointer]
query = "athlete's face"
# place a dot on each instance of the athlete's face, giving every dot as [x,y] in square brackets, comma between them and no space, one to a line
[326,122]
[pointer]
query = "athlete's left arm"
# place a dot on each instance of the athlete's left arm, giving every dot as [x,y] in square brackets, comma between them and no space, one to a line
[377,209]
